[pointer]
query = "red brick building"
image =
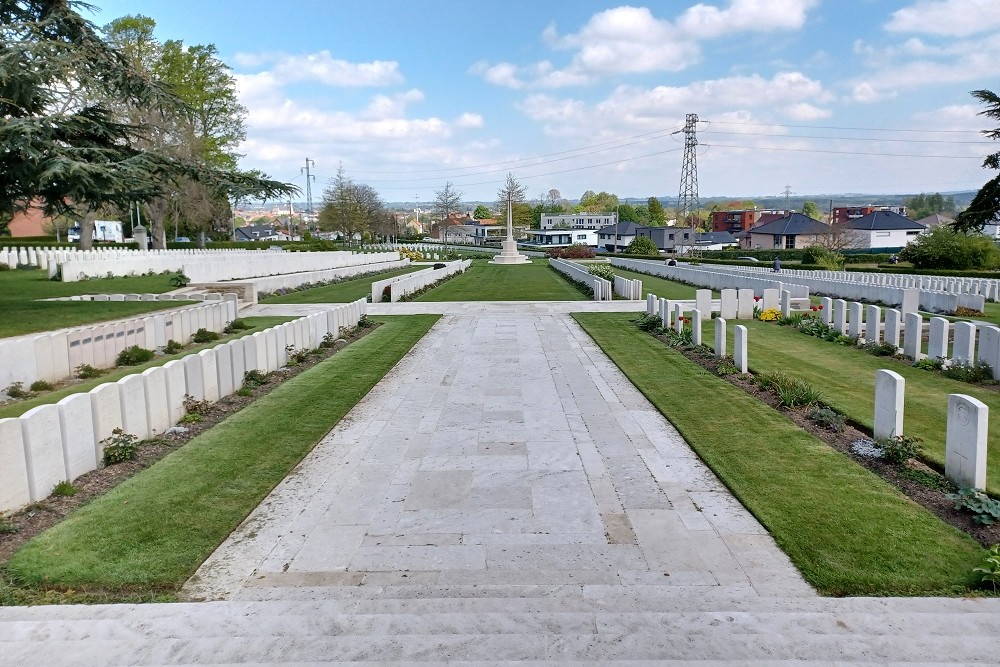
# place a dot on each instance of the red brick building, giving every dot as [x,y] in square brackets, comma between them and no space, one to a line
[847,213]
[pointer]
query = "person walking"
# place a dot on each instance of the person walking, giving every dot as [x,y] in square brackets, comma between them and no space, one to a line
[776,265]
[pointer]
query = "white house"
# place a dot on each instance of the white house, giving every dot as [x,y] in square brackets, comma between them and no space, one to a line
[883,229]
[579,220]
[562,237]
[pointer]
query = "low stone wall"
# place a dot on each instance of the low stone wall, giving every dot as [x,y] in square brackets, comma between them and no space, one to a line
[54,355]
[417,281]
[293,280]
[602,288]
[704,276]
[52,443]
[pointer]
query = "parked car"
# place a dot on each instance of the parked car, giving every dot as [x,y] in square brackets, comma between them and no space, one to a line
[182,239]
[748,259]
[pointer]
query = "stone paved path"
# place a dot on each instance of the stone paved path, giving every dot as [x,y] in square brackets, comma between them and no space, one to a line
[503,495]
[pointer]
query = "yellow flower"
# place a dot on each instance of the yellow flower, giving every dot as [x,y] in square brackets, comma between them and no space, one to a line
[770,315]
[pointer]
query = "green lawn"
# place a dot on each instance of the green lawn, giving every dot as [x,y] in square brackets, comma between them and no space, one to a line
[153,531]
[342,292]
[495,282]
[847,531]
[661,287]
[20,407]
[846,377]
[24,314]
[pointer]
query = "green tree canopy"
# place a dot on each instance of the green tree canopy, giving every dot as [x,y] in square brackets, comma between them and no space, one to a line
[985,206]
[923,205]
[627,212]
[657,216]
[642,245]
[601,202]
[810,209]
[944,248]
[482,213]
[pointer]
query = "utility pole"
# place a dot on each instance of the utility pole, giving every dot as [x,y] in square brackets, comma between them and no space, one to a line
[310,178]
[788,193]
[687,199]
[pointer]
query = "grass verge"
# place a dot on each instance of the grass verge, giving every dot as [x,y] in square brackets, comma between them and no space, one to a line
[848,531]
[847,379]
[342,292]
[496,282]
[661,287]
[18,408]
[149,534]
[21,290]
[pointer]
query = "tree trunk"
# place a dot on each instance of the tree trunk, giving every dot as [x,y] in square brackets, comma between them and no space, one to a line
[156,212]
[86,228]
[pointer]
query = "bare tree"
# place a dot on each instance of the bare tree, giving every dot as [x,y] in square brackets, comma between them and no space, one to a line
[447,200]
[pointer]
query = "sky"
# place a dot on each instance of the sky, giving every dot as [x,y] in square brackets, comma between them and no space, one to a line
[816,96]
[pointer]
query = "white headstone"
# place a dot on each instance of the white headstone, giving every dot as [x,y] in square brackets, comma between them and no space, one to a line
[745,304]
[210,374]
[728,306]
[965,445]
[786,303]
[771,299]
[989,349]
[43,450]
[703,301]
[157,409]
[873,324]
[132,395]
[720,337]
[965,343]
[854,323]
[889,390]
[176,389]
[194,377]
[826,310]
[937,341]
[224,369]
[740,347]
[840,316]
[14,488]
[892,322]
[696,326]
[76,424]
[913,325]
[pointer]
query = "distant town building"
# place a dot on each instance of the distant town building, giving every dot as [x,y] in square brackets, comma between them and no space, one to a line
[742,220]
[616,237]
[846,213]
[555,238]
[260,233]
[579,220]
[883,229]
[671,240]
[789,232]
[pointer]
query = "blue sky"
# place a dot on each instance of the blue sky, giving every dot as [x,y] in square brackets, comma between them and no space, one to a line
[822,96]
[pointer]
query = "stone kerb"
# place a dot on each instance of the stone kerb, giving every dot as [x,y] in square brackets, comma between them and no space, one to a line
[890,388]
[77,433]
[965,444]
[15,490]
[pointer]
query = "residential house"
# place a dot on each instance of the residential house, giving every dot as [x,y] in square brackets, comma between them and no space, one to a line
[715,241]
[554,238]
[882,229]
[579,220]
[789,232]
[843,214]
[260,233]
[671,240]
[616,237]
[743,220]
[935,220]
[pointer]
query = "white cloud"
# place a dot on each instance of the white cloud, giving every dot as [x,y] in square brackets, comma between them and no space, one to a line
[865,93]
[631,40]
[954,18]
[469,121]
[322,67]
[392,106]
[805,112]
[703,21]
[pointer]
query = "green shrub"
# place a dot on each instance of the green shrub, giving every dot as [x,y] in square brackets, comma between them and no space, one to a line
[87,372]
[827,418]
[605,271]
[985,510]
[899,449]
[823,257]
[237,325]
[978,373]
[8,527]
[254,378]
[649,322]
[172,347]
[642,245]
[928,364]
[881,349]
[119,447]
[328,340]
[64,489]
[244,391]
[16,390]
[365,322]
[989,571]
[296,357]
[942,248]
[203,335]
[191,418]
[4,267]
[726,367]
[133,356]
[193,406]
[791,392]
[927,479]
[179,280]
[41,385]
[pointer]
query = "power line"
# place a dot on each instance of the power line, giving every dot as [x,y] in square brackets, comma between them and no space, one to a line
[687,199]
[836,127]
[814,136]
[825,151]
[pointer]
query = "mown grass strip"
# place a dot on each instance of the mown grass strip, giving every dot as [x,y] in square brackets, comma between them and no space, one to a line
[342,292]
[848,531]
[846,377]
[113,375]
[661,287]
[497,282]
[23,313]
[153,531]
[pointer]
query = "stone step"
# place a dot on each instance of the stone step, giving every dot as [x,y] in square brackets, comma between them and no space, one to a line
[707,644]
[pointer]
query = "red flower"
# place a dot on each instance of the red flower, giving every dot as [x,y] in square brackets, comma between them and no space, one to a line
[821,307]
[757,298]
[814,308]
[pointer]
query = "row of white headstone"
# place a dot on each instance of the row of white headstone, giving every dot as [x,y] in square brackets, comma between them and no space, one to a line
[708,277]
[962,343]
[54,356]
[869,289]
[400,286]
[966,432]
[603,289]
[628,288]
[733,304]
[42,256]
[56,442]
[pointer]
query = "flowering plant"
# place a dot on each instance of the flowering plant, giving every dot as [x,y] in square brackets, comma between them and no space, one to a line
[770,315]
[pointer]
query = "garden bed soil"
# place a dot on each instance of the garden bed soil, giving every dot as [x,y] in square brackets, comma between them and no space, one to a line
[933,499]
[41,515]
